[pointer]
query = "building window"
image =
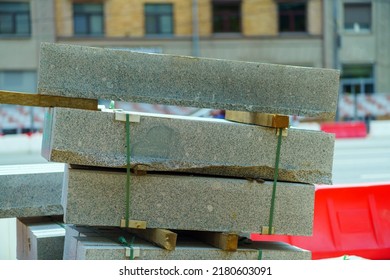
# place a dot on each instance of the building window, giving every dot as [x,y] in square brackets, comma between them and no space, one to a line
[292,17]
[15,18]
[88,19]
[357,79]
[159,19]
[226,16]
[357,16]
[24,81]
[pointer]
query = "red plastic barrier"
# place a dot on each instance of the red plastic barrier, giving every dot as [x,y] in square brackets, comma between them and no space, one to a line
[348,220]
[356,129]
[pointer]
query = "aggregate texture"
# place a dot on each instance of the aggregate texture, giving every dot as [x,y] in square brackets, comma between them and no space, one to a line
[98,198]
[169,143]
[104,73]
[31,190]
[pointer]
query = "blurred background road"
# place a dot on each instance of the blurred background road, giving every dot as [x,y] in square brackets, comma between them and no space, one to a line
[365,160]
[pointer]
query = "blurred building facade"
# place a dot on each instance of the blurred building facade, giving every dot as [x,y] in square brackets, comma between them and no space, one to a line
[350,35]
[247,30]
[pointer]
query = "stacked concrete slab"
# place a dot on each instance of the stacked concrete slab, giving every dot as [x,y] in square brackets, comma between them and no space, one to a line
[186,173]
[31,190]
[97,73]
[167,143]
[187,202]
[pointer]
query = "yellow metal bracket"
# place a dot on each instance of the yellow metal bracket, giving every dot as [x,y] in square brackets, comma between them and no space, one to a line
[265,230]
[133,224]
[136,252]
[284,132]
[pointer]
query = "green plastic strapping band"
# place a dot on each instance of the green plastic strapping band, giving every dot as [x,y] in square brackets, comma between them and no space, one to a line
[276,174]
[123,241]
[127,170]
[260,255]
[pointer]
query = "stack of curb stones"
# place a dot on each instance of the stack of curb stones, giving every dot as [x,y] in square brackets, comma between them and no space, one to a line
[180,182]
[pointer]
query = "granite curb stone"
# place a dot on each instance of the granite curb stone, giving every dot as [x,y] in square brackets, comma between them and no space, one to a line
[187,144]
[187,202]
[31,190]
[186,81]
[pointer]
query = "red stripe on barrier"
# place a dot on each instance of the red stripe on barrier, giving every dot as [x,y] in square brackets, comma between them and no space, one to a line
[356,129]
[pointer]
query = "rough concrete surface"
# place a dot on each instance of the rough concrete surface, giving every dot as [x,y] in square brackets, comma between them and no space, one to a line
[187,144]
[31,190]
[98,198]
[98,246]
[103,73]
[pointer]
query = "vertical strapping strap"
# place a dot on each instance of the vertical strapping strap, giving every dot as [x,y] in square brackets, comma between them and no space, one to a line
[276,174]
[127,217]
[260,255]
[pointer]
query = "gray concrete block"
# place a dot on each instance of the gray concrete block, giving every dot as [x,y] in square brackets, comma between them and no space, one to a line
[98,198]
[40,240]
[187,81]
[73,233]
[31,190]
[187,144]
[108,248]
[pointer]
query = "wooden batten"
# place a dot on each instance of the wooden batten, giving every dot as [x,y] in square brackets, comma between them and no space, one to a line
[163,238]
[263,119]
[222,240]
[38,100]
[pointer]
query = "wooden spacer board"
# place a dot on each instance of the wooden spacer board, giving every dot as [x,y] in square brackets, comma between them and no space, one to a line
[163,238]
[222,240]
[38,100]
[263,119]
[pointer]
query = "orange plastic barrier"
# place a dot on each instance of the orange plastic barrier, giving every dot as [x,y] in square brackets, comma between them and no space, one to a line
[356,129]
[348,220]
